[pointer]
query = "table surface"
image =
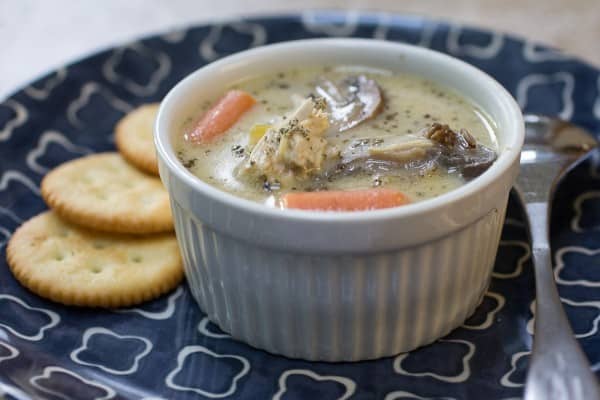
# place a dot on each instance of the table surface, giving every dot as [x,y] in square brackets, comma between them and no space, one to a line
[37,36]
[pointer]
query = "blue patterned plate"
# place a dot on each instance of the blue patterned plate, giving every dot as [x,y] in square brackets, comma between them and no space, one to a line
[167,348]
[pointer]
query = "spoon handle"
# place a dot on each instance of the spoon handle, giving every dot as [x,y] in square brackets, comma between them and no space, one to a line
[558,368]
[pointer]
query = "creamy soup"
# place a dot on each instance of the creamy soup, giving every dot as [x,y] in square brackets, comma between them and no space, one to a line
[339,128]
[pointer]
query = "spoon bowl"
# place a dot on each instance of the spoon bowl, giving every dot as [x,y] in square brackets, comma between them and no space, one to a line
[550,145]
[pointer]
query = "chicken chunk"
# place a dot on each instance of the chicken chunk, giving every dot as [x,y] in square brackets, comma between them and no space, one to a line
[294,149]
[402,151]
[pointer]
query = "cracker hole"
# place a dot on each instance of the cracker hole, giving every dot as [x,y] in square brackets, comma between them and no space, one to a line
[96,269]
[99,245]
[136,259]
[59,257]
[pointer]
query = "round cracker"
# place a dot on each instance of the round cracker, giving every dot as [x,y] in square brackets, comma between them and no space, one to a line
[76,266]
[104,192]
[134,137]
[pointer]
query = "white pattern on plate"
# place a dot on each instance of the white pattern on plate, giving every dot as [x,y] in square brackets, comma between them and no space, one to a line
[310,22]
[5,234]
[11,215]
[489,318]
[348,383]
[533,54]
[489,51]
[542,79]
[14,391]
[49,84]
[256,31]
[54,319]
[530,327]
[578,210]
[13,352]
[401,394]
[87,90]
[186,351]
[595,323]
[426,34]
[43,142]
[506,379]
[12,175]
[520,262]
[161,72]
[175,36]
[90,332]
[461,377]
[157,315]
[592,304]
[47,373]
[203,329]
[18,120]
[560,265]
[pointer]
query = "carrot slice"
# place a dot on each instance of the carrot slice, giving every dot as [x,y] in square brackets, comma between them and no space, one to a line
[338,200]
[222,116]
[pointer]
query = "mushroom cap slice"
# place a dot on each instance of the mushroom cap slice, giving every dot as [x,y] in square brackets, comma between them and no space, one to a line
[351,101]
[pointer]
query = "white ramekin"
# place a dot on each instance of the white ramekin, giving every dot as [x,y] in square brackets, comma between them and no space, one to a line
[339,286]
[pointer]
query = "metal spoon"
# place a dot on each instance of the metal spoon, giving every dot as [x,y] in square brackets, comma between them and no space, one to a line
[558,368]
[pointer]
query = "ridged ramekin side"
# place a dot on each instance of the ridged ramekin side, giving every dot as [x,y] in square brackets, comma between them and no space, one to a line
[339,307]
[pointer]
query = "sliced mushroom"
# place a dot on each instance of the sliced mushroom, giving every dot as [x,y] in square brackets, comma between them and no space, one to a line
[471,162]
[351,101]
[385,155]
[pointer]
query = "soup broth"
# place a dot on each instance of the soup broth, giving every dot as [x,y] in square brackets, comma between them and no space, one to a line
[366,147]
